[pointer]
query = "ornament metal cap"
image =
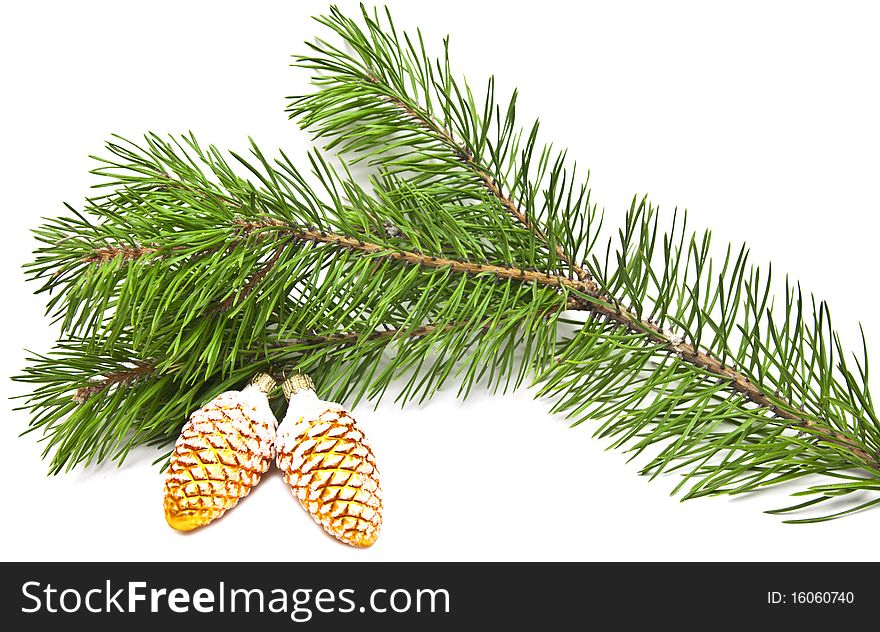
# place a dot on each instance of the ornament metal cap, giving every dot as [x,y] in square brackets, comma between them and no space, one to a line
[264,382]
[297,382]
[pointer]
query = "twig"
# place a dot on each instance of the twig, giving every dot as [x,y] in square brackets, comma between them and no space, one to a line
[109,253]
[141,369]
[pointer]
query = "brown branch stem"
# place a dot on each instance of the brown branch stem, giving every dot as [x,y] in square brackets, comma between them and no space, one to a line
[109,253]
[125,376]
[414,258]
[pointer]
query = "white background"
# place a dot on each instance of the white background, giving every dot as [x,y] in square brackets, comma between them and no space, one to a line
[761,118]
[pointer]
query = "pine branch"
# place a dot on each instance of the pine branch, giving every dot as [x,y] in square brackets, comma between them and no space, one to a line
[426,261]
[300,233]
[248,229]
[242,230]
[458,259]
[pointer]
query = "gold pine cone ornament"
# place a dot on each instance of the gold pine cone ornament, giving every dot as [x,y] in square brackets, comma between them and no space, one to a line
[329,465]
[222,452]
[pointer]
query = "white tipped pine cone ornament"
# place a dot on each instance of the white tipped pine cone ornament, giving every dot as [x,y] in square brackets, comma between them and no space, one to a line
[221,453]
[329,465]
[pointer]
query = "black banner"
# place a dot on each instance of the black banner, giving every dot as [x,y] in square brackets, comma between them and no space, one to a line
[436,596]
